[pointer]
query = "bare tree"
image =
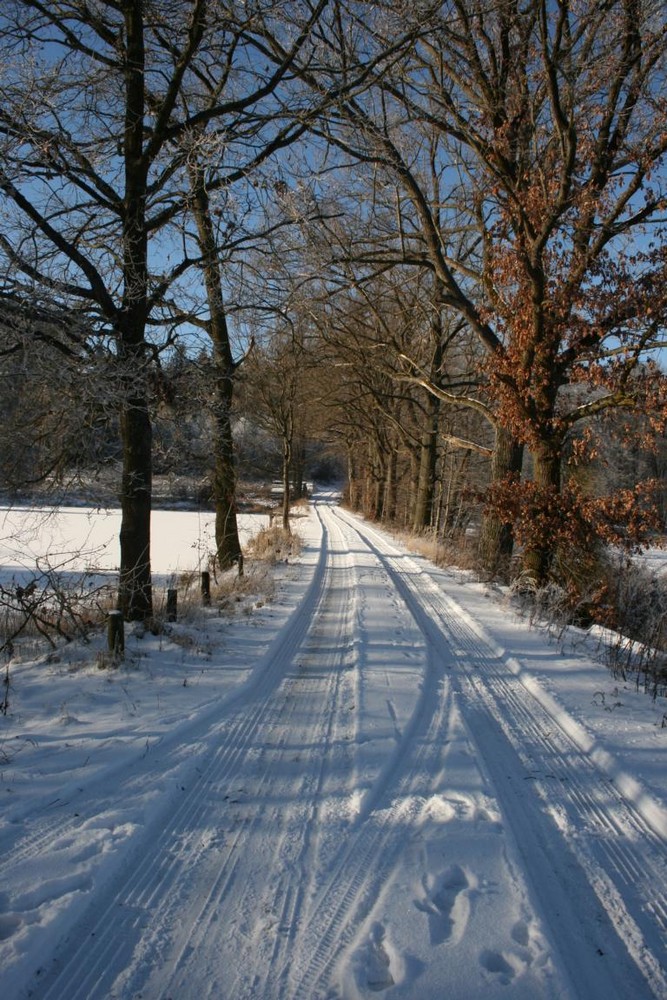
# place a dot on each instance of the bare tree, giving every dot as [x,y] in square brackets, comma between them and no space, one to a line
[47,427]
[275,385]
[384,327]
[559,121]
[80,175]
[102,105]
[547,128]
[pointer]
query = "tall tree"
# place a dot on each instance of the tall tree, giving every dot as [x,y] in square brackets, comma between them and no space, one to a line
[559,115]
[228,545]
[101,107]
[550,127]
[416,213]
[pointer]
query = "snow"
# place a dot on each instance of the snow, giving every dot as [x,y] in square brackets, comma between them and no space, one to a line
[373,779]
[656,559]
[82,538]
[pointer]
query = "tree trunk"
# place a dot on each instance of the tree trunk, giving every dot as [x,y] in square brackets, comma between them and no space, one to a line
[428,458]
[413,486]
[287,454]
[228,545]
[369,492]
[135,598]
[496,537]
[354,490]
[378,497]
[453,524]
[428,454]
[135,592]
[442,494]
[297,466]
[537,557]
[389,508]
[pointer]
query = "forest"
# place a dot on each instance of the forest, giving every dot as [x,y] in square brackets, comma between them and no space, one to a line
[414,248]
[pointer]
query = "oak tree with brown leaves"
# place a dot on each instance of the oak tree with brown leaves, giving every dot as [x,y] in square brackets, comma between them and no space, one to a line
[551,120]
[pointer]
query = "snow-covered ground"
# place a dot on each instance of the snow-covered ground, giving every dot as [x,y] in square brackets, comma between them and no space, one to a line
[83,538]
[378,780]
[656,559]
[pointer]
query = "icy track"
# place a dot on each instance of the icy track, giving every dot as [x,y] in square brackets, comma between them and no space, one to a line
[383,807]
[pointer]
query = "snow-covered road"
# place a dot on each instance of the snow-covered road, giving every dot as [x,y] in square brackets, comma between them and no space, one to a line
[386,805]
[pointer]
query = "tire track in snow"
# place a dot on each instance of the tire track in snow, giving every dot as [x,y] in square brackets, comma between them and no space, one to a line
[183,885]
[127,778]
[327,652]
[228,892]
[103,941]
[340,626]
[361,865]
[617,893]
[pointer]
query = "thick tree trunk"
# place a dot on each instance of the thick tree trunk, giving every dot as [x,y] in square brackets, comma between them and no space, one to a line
[537,557]
[496,538]
[378,497]
[428,457]
[135,591]
[227,544]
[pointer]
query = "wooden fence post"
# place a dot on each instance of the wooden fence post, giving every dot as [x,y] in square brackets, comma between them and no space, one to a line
[116,634]
[206,587]
[172,605]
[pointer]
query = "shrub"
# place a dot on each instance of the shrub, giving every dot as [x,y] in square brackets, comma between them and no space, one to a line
[51,607]
[574,529]
[636,611]
[274,544]
[624,597]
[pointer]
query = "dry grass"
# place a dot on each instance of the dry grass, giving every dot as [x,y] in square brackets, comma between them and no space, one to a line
[273,545]
[229,591]
[460,552]
[37,618]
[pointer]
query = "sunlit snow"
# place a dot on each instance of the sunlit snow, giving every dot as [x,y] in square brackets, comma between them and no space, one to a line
[375,779]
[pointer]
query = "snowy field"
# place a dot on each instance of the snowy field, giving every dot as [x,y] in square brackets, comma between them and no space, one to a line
[376,779]
[79,539]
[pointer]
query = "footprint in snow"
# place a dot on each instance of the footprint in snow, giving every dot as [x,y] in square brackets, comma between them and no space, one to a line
[521,933]
[9,924]
[531,946]
[502,965]
[488,818]
[378,963]
[446,904]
